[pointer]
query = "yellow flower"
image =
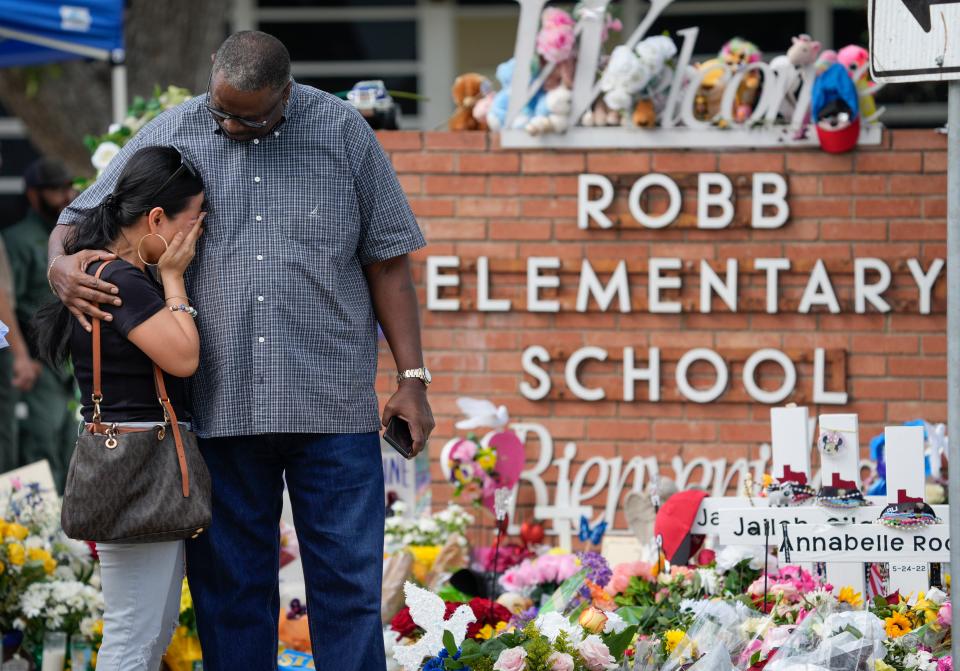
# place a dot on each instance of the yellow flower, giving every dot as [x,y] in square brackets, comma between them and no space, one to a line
[186,599]
[98,628]
[880,665]
[673,638]
[847,595]
[37,554]
[487,462]
[16,554]
[897,625]
[3,528]
[49,566]
[16,531]
[767,480]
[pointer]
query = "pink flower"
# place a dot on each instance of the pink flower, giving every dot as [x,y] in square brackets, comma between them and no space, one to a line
[945,615]
[555,43]
[555,568]
[553,17]
[622,573]
[595,654]
[561,661]
[945,663]
[511,659]
[464,450]
[748,652]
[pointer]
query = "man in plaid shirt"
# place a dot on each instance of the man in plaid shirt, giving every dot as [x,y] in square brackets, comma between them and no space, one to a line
[305,250]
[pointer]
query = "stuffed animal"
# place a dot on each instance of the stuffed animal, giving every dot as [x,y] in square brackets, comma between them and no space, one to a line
[497,115]
[644,114]
[835,109]
[855,59]
[552,113]
[738,53]
[468,90]
[826,58]
[801,54]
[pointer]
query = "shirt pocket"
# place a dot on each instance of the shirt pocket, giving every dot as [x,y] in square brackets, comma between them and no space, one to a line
[320,215]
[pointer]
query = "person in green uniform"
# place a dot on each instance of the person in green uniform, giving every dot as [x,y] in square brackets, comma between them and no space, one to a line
[47,426]
[18,370]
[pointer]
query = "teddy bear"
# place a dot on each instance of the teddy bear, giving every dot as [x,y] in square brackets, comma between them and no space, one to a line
[468,89]
[497,114]
[855,59]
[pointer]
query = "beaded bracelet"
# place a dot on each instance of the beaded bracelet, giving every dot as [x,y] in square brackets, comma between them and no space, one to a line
[908,515]
[184,308]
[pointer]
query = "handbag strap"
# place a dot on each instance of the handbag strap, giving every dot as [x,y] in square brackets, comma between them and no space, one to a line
[169,415]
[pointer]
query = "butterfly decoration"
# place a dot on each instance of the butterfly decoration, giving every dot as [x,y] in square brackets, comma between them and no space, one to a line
[594,535]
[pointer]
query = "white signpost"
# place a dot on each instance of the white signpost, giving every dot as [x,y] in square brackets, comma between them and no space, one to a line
[914,40]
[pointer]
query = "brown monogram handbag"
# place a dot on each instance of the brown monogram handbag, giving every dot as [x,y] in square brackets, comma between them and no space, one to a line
[135,485]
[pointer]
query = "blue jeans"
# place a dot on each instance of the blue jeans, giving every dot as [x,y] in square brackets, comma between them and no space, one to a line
[336,492]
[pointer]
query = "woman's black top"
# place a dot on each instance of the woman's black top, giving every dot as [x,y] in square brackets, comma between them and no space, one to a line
[129,391]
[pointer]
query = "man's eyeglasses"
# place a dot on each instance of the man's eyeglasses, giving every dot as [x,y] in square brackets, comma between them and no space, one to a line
[182,168]
[220,115]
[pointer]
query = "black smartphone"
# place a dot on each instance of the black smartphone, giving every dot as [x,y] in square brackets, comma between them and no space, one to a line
[398,435]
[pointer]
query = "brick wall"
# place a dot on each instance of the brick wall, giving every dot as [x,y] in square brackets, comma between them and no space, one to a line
[473,199]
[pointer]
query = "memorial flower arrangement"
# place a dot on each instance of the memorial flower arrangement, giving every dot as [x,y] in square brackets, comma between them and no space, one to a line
[48,582]
[400,531]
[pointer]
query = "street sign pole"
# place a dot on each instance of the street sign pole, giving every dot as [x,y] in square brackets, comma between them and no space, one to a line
[953,340]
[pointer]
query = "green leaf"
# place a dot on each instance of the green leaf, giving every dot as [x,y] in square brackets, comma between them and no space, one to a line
[632,614]
[618,643]
[449,643]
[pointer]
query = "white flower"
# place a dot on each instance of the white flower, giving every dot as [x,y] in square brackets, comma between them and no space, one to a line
[551,624]
[710,580]
[731,555]
[399,507]
[104,154]
[936,596]
[615,624]
[114,128]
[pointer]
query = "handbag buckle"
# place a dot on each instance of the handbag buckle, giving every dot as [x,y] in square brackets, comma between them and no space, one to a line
[112,436]
[161,432]
[96,398]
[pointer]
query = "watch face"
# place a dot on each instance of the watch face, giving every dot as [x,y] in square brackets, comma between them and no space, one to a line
[427,376]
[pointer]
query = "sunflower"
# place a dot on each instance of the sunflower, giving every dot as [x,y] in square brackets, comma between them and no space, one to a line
[847,595]
[897,625]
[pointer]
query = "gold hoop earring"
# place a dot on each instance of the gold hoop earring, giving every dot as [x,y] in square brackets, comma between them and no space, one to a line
[140,253]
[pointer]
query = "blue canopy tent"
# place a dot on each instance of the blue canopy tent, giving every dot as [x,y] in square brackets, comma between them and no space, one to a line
[45,31]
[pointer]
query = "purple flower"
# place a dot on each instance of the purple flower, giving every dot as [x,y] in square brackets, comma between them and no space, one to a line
[598,570]
[523,618]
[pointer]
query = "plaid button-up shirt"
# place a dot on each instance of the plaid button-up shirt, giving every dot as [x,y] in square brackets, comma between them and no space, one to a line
[287,328]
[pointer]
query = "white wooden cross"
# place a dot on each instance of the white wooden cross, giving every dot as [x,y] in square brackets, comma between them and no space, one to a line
[908,552]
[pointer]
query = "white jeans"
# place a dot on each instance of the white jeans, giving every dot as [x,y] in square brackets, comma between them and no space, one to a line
[141,593]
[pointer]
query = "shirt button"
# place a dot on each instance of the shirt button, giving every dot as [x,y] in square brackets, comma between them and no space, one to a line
[260,339]
[259,257]
[256,141]
[260,299]
[256,179]
[258,218]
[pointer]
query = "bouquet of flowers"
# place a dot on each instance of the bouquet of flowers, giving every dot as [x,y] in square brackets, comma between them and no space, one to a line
[401,531]
[480,467]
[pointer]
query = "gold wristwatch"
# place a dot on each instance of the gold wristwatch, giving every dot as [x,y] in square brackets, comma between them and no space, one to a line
[421,374]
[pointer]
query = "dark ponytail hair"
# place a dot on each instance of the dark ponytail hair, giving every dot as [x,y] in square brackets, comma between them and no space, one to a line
[153,177]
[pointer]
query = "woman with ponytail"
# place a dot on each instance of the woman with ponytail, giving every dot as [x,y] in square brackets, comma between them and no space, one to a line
[150,223]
